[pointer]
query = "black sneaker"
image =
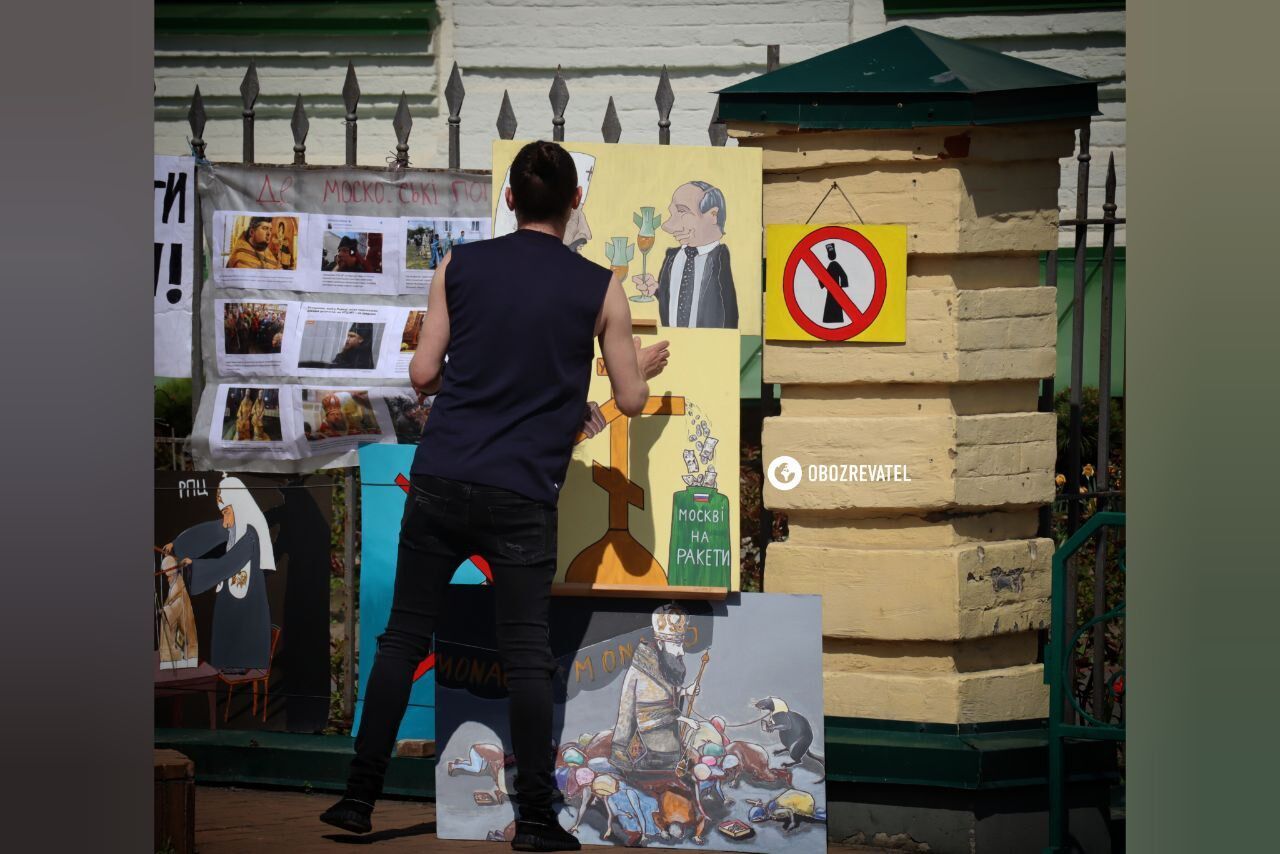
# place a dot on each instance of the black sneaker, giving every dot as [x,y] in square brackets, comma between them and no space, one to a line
[540,830]
[350,815]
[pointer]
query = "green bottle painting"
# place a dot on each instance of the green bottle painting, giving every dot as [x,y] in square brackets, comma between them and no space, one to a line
[701,553]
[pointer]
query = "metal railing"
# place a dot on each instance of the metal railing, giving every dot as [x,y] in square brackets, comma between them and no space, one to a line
[1071,714]
[1074,499]
[1083,696]
[454,94]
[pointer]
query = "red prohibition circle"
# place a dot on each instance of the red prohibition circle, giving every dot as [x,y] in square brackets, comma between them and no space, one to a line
[859,320]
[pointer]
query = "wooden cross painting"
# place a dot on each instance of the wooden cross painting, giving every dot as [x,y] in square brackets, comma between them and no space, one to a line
[670,477]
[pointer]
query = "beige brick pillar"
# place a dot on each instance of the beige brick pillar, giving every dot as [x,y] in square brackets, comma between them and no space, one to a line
[933,589]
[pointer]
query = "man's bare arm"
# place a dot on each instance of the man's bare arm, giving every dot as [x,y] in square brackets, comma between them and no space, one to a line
[629,365]
[426,366]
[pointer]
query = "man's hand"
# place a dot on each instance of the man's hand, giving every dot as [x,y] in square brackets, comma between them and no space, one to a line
[167,549]
[646,284]
[652,359]
[592,420]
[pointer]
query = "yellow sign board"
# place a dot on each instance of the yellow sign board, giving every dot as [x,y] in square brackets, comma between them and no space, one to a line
[836,283]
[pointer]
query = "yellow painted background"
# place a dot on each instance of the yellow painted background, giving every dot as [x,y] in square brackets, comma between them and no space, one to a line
[890,241]
[704,369]
[628,177]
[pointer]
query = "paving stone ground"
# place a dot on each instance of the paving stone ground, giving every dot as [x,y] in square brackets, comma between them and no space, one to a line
[245,821]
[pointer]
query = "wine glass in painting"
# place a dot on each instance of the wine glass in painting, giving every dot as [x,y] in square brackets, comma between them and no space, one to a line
[647,221]
[619,252]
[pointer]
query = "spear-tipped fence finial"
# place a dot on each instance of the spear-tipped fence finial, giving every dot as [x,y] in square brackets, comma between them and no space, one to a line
[559,100]
[299,124]
[612,128]
[665,99]
[506,118]
[249,96]
[454,93]
[402,124]
[350,99]
[196,118]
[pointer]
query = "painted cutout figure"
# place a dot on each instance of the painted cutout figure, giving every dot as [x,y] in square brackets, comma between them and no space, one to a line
[179,646]
[487,759]
[831,311]
[647,732]
[577,233]
[794,731]
[694,288]
[241,638]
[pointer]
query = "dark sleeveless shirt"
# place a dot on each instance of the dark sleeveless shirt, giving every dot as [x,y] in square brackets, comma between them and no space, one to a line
[522,315]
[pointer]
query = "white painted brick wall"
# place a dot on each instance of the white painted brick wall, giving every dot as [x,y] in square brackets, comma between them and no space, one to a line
[617,48]
[606,48]
[314,67]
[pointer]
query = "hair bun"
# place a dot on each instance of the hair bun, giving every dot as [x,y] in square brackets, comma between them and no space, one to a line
[543,164]
[543,181]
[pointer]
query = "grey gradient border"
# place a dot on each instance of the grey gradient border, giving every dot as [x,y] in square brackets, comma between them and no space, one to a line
[1204,321]
[77,713]
[1204,584]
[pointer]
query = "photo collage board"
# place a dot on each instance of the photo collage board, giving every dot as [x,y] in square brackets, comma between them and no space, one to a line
[315,297]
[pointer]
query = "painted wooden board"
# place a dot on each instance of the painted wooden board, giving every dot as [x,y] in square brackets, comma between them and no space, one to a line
[737,764]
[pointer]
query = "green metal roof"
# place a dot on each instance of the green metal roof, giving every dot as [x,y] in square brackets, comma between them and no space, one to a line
[906,77]
[294,17]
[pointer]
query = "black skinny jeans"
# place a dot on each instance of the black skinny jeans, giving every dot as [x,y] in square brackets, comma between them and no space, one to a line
[445,522]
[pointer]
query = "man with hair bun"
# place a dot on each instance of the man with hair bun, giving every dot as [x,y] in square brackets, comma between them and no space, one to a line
[489,467]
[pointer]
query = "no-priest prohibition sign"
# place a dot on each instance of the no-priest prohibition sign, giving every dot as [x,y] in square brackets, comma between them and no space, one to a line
[803,254]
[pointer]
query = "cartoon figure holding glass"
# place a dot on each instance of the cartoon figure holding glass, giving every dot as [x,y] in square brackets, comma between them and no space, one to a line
[694,288]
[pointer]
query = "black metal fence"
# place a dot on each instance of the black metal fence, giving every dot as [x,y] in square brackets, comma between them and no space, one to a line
[1090,573]
[1098,490]
[454,94]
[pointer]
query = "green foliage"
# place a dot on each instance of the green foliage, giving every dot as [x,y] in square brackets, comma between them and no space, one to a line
[1089,427]
[173,410]
[750,499]
[1085,565]
[173,418]
[339,645]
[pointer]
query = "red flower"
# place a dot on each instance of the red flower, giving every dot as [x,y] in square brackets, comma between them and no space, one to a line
[1118,686]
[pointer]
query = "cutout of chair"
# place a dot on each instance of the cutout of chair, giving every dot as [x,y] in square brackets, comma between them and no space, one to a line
[253,677]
